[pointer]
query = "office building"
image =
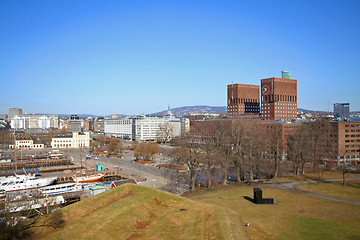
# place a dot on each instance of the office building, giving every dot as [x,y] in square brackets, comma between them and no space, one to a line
[342,110]
[75,124]
[99,125]
[35,121]
[243,100]
[13,112]
[145,128]
[278,98]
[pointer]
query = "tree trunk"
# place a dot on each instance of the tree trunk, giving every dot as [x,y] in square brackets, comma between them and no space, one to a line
[225,176]
[251,172]
[209,175]
[238,173]
[193,178]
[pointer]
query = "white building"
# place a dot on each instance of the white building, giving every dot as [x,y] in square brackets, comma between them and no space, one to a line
[75,140]
[33,121]
[118,127]
[144,128]
[19,122]
[26,144]
[44,122]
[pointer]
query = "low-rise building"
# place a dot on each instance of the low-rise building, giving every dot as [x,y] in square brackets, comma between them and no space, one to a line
[74,140]
[26,143]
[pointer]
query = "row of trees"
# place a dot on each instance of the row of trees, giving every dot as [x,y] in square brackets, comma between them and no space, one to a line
[252,149]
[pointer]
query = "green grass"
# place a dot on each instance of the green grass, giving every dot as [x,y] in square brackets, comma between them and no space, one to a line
[313,177]
[308,227]
[351,191]
[292,216]
[134,212]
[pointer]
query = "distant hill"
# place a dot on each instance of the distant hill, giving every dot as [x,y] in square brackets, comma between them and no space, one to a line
[135,212]
[310,111]
[182,111]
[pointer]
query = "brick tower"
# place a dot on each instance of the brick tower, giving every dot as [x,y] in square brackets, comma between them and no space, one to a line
[243,100]
[279,98]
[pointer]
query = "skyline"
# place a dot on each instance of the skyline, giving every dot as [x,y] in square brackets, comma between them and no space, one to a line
[100,58]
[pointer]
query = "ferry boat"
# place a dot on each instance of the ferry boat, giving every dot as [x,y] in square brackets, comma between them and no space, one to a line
[60,189]
[23,182]
[88,178]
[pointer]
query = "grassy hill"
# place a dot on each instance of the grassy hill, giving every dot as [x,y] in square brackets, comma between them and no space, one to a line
[135,212]
[293,216]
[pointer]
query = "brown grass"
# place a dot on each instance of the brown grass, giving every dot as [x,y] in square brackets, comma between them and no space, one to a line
[133,212]
[337,189]
[325,175]
[293,216]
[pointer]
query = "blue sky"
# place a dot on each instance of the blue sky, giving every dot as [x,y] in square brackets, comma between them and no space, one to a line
[133,57]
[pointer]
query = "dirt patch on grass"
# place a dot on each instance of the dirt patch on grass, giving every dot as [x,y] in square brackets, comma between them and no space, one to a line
[159,202]
[152,215]
[141,225]
[134,235]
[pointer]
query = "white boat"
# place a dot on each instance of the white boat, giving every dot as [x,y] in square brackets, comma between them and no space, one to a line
[23,182]
[89,178]
[60,189]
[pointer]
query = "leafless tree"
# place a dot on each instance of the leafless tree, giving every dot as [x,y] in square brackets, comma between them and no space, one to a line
[114,147]
[318,137]
[298,149]
[146,150]
[188,153]
[165,133]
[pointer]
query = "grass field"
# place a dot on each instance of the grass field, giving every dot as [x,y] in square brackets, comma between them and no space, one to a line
[135,212]
[292,216]
[351,191]
[313,177]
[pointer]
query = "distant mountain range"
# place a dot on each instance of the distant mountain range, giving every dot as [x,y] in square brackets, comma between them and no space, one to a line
[187,110]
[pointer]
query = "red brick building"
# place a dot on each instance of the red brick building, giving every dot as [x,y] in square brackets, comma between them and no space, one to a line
[347,140]
[243,100]
[278,98]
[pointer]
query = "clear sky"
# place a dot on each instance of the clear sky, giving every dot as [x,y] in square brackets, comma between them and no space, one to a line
[133,57]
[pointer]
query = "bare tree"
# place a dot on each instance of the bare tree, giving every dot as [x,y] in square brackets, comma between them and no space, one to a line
[238,142]
[188,154]
[318,137]
[114,147]
[146,150]
[298,149]
[165,133]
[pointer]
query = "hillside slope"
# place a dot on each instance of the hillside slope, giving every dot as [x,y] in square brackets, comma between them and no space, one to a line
[135,212]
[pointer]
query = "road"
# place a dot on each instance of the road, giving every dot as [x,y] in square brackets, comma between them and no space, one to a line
[155,177]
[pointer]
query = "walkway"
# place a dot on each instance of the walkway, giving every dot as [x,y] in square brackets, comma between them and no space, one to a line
[290,187]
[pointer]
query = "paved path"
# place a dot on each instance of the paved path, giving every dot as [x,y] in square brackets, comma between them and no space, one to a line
[290,187]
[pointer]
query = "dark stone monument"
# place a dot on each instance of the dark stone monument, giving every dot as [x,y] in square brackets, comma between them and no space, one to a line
[258,199]
[257,195]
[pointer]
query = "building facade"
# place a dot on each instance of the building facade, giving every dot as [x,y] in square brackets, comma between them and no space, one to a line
[347,138]
[342,110]
[99,125]
[278,98]
[34,121]
[26,143]
[75,140]
[75,124]
[243,100]
[13,112]
[119,127]
[145,128]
